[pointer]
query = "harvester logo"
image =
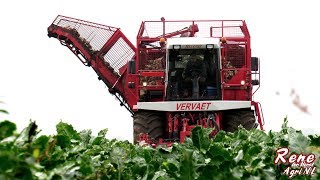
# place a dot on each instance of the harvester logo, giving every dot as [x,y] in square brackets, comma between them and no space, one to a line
[299,164]
[186,106]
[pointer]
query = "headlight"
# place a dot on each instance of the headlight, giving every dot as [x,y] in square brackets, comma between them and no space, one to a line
[242,82]
[144,83]
[210,46]
[176,46]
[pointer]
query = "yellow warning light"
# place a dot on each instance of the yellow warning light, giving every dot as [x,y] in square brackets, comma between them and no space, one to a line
[162,40]
[223,39]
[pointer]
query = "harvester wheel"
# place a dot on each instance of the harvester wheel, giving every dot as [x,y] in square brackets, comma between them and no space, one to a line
[150,122]
[234,118]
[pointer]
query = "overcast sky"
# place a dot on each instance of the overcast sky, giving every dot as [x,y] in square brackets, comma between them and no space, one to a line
[43,81]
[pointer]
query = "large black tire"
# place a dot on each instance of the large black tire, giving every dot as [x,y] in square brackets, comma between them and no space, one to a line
[232,119]
[150,122]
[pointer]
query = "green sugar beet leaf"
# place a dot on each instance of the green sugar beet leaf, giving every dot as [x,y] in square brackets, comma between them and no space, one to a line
[7,129]
[4,111]
[67,130]
[187,166]
[314,140]
[200,138]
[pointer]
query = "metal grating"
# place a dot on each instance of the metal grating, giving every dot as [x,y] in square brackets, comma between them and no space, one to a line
[119,54]
[95,35]
[207,28]
[235,55]
[233,60]
[227,29]
[151,61]
[153,29]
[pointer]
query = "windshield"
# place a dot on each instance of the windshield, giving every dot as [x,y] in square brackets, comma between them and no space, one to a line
[191,73]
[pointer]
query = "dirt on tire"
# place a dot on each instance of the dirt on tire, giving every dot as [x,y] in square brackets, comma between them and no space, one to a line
[234,118]
[150,122]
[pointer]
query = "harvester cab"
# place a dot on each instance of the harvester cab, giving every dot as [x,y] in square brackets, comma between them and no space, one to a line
[192,68]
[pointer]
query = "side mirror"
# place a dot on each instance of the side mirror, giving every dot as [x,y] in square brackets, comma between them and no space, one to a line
[132,66]
[254,64]
[131,85]
[255,82]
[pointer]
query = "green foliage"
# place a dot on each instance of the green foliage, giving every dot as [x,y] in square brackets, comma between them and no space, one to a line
[79,155]
[7,129]
[2,110]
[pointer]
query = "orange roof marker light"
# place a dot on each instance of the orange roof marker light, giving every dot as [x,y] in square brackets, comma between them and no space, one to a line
[223,39]
[162,40]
